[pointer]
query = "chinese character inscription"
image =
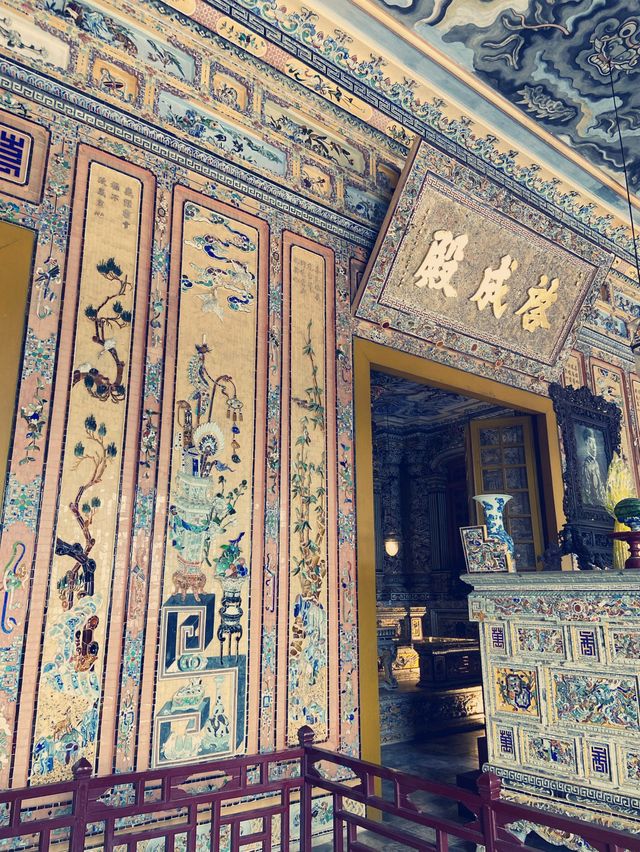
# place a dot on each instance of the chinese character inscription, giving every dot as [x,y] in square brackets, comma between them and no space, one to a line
[15,148]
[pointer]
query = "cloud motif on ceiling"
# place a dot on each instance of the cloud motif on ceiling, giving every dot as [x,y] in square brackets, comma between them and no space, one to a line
[405,4]
[552,61]
[550,58]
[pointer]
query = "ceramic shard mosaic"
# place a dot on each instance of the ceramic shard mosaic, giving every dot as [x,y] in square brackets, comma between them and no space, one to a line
[583,741]
[540,640]
[551,752]
[516,691]
[218,399]
[312,487]
[593,700]
[178,575]
[87,536]
[448,267]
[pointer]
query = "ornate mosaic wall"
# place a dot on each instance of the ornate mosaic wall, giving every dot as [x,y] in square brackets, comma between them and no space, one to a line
[178,577]
[181,382]
[561,688]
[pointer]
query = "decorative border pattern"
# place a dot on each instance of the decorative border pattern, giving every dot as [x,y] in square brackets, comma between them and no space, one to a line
[523,780]
[69,102]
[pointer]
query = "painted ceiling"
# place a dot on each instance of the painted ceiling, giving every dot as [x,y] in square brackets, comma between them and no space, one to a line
[400,403]
[548,58]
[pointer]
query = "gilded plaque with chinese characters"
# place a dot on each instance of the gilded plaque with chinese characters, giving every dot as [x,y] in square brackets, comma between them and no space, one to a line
[461,260]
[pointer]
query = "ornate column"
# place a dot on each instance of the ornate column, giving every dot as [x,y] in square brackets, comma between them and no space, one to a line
[435,486]
[387,453]
[418,534]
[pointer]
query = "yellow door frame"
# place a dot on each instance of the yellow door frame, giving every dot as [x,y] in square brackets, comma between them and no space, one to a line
[16,259]
[369,356]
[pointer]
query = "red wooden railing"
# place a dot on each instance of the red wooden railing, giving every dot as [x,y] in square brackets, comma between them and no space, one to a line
[205,807]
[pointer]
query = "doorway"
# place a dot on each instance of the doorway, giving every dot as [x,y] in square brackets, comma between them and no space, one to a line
[461,434]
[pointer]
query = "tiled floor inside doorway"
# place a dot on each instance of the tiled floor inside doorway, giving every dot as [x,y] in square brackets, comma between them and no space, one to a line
[439,759]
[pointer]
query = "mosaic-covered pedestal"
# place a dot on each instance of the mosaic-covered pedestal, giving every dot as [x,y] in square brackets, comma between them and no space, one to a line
[560,664]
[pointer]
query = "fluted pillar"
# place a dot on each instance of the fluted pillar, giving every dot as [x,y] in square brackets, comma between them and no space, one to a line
[435,485]
[387,450]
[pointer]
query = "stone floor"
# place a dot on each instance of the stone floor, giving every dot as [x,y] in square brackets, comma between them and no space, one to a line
[439,759]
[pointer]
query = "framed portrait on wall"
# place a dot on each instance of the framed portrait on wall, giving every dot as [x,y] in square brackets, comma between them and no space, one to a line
[590,428]
[591,456]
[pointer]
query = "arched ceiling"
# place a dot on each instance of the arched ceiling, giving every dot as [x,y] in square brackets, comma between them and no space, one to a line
[547,58]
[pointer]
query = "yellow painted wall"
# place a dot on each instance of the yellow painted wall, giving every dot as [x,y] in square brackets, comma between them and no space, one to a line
[16,252]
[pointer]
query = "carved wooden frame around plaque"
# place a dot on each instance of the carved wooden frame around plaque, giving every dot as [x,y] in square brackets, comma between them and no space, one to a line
[464,263]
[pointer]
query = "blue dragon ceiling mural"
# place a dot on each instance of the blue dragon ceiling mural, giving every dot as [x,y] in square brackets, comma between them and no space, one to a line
[551,59]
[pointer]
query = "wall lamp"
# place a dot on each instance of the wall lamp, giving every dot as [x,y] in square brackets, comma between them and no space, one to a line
[391,545]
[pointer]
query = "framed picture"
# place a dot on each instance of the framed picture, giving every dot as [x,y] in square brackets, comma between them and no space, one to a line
[590,428]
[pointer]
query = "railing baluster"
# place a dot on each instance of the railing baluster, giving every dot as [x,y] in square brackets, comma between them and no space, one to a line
[266,843]
[43,844]
[82,774]
[305,738]
[109,834]
[192,832]
[215,827]
[338,825]
[16,812]
[442,841]
[352,834]
[489,789]
[284,820]
[235,835]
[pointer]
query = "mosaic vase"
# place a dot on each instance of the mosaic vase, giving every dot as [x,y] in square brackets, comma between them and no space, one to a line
[493,505]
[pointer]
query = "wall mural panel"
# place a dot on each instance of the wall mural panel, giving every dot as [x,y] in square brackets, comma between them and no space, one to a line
[573,373]
[214,533]
[92,525]
[309,534]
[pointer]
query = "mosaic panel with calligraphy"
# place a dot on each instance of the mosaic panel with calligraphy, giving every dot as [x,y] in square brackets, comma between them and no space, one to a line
[451,264]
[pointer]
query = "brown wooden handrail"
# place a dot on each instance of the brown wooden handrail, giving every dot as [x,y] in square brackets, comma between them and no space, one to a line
[256,799]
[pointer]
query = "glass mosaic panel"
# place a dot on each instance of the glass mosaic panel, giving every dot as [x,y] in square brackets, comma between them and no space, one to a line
[525,555]
[489,437]
[521,529]
[594,700]
[490,455]
[519,504]
[513,455]
[492,480]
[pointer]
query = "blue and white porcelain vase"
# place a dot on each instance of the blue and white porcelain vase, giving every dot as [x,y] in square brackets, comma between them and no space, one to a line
[493,505]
